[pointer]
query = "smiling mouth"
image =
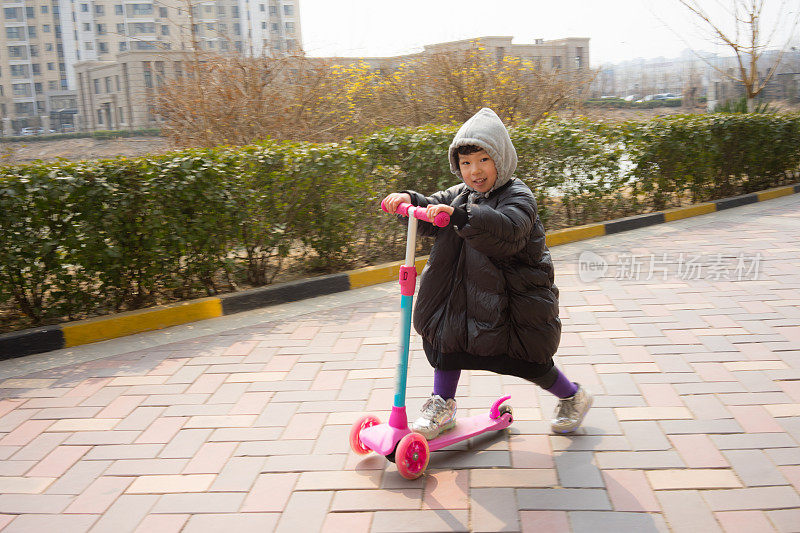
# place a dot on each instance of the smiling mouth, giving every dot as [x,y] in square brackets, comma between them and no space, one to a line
[480,181]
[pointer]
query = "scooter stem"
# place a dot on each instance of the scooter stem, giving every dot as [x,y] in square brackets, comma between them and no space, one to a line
[408,284]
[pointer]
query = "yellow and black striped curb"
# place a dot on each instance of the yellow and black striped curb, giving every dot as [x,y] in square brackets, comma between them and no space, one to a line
[44,339]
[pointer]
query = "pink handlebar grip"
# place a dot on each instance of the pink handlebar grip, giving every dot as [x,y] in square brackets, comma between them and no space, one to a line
[440,220]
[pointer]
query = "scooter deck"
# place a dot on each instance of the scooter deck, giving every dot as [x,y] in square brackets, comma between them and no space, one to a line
[469,427]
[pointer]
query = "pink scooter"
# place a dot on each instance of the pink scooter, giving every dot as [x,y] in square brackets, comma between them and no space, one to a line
[409,450]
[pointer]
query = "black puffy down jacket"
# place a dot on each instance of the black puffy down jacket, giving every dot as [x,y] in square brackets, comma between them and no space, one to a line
[488,288]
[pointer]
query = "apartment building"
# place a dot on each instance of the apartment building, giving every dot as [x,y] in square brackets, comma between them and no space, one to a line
[46,43]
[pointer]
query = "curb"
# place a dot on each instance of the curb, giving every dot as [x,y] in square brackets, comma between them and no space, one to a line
[68,335]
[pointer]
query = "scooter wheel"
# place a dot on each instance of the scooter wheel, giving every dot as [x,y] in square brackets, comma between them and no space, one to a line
[412,455]
[505,408]
[355,433]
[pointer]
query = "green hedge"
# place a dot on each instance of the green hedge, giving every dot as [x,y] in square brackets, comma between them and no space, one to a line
[89,238]
[99,134]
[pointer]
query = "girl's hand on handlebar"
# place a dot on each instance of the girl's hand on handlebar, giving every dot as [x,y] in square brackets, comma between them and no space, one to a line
[434,209]
[396,198]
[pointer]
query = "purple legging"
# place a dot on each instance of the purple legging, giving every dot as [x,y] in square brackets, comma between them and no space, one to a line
[445,383]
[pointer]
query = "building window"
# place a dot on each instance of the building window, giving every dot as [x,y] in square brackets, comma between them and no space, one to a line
[145,45]
[235,12]
[108,84]
[96,84]
[14,34]
[44,10]
[102,48]
[121,114]
[121,28]
[220,10]
[118,10]
[88,45]
[164,29]
[223,45]
[140,9]
[288,10]
[261,7]
[237,28]
[162,12]
[290,27]
[18,52]
[87,26]
[30,13]
[273,27]
[36,68]
[123,46]
[52,85]
[263,25]
[273,10]
[48,47]
[84,8]
[148,74]
[116,82]
[21,89]
[99,116]
[32,32]
[51,66]
[19,71]
[24,108]
[101,29]
[99,9]
[34,50]
[12,13]
[46,28]
[37,88]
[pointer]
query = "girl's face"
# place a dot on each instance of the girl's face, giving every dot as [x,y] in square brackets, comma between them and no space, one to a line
[478,171]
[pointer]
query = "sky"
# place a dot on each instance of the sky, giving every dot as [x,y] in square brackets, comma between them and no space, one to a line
[619,29]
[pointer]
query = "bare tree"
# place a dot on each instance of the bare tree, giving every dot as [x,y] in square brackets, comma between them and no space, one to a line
[747,39]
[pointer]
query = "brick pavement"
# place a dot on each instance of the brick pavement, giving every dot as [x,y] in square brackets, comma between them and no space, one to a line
[242,422]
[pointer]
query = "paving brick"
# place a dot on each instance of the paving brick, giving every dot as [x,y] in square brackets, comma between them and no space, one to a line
[614,522]
[577,469]
[140,418]
[50,522]
[686,512]
[754,419]
[211,458]
[493,509]
[638,460]
[370,479]
[34,503]
[24,485]
[752,441]
[684,427]
[25,432]
[754,468]
[241,523]
[428,521]
[744,521]
[159,484]
[652,413]
[692,479]
[752,498]
[531,451]
[79,477]
[346,522]
[643,435]
[785,520]
[698,451]
[146,467]
[163,523]
[270,493]
[563,499]
[199,502]
[550,521]
[630,491]
[185,443]
[99,496]
[376,500]
[58,461]
[305,511]
[513,477]
[124,451]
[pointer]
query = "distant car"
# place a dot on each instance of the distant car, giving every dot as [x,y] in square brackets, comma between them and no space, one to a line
[631,98]
[67,128]
[30,131]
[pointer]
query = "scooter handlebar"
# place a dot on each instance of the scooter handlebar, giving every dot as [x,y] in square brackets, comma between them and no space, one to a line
[440,220]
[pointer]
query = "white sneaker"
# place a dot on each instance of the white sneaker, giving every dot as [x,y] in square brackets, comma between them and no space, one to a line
[437,416]
[570,411]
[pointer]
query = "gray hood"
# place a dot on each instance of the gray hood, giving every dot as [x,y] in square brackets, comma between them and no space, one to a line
[485,129]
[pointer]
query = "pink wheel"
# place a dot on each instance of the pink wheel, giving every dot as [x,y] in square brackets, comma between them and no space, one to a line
[355,439]
[412,455]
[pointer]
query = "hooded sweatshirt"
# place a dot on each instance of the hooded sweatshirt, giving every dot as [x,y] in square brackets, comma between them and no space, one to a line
[488,288]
